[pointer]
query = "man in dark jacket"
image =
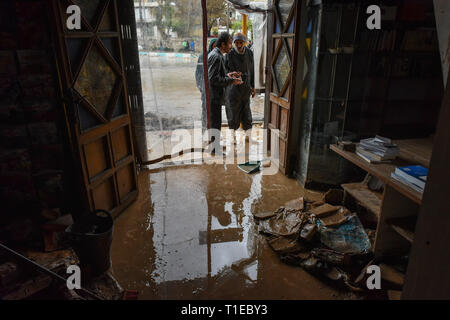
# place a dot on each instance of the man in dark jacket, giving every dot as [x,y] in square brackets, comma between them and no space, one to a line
[199,78]
[237,101]
[219,79]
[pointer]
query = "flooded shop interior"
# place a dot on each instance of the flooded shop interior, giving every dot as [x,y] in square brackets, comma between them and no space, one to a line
[105,108]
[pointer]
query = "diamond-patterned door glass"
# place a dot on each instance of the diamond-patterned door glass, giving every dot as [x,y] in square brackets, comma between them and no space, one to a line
[107,23]
[284,7]
[282,67]
[289,44]
[277,27]
[309,29]
[112,45]
[291,26]
[119,107]
[75,48]
[87,120]
[89,10]
[96,80]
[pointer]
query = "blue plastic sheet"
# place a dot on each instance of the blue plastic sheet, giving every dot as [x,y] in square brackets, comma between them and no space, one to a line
[349,237]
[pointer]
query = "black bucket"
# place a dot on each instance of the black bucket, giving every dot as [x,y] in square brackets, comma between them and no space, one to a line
[91,239]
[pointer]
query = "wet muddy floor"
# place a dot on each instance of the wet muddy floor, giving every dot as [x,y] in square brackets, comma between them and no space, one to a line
[191,235]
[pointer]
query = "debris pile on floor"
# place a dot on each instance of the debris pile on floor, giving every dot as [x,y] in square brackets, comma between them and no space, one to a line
[323,237]
[20,279]
[34,260]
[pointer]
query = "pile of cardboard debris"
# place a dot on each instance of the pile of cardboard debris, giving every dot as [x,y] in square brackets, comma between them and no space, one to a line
[323,237]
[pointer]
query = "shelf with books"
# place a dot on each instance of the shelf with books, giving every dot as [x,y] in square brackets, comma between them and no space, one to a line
[383,172]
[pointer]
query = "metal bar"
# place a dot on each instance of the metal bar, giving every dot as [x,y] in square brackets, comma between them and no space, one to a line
[333,72]
[205,61]
[305,142]
[244,25]
[178,154]
[350,71]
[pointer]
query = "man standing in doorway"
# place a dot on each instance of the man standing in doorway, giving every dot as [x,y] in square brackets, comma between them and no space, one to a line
[218,81]
[199,78]
[238,110]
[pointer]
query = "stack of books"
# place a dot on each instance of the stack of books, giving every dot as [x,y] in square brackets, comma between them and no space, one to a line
[376,150]
[412,176]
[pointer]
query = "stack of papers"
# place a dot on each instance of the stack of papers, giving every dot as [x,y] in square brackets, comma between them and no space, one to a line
[377,149]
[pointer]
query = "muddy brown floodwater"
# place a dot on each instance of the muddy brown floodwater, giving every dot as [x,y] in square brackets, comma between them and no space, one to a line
[191,235]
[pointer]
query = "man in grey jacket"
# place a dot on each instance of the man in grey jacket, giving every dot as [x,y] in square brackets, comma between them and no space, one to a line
[199,78]
[240,59]
[218,81]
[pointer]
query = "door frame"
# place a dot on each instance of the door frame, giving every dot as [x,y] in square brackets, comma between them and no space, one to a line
[295,81]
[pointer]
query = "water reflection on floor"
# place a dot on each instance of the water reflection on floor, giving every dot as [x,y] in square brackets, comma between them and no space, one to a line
[191,235]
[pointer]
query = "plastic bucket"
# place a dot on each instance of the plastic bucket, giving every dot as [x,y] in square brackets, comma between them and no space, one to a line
[91,238]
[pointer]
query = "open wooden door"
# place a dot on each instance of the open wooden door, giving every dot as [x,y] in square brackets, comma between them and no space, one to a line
[95,93]
[282,69]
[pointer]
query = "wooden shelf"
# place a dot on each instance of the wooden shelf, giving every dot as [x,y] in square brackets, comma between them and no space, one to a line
[369,199]
[404,226]
[416,150]
[383,172]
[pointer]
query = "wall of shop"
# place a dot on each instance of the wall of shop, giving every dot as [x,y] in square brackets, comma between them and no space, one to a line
[32,128]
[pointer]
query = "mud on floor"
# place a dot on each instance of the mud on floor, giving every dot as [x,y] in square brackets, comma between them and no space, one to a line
[191,235]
